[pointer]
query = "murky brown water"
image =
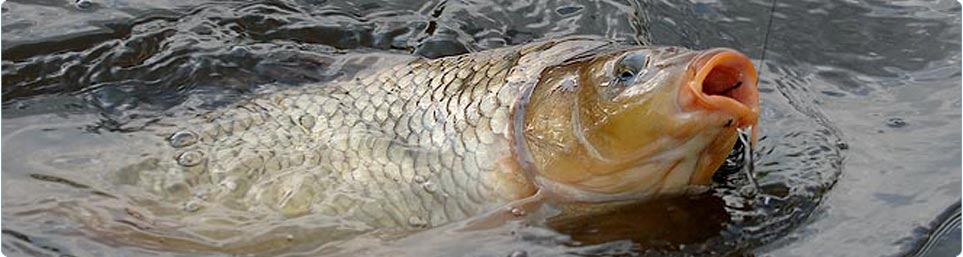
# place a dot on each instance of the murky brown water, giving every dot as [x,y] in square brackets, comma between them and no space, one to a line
[859,153]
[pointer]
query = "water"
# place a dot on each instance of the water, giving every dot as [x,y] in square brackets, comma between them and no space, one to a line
[858,151]
[748,161]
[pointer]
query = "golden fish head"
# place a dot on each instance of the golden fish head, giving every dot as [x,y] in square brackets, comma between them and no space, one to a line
[637,123]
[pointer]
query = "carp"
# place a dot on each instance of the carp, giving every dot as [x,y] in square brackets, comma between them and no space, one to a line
[424,142]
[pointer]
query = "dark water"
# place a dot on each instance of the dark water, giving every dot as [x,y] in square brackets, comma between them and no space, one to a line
[859,153]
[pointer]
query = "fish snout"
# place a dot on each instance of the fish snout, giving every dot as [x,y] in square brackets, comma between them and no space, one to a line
[722,80]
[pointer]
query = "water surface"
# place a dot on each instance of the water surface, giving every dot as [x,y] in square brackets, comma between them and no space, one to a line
[859,153]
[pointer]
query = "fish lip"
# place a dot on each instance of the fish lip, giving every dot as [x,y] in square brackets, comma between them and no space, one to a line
[742,101]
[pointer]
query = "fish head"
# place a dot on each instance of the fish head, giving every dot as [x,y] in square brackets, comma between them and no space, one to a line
[637,123]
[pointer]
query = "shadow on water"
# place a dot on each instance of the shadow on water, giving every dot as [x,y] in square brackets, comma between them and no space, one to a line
[76,78]
[661,224]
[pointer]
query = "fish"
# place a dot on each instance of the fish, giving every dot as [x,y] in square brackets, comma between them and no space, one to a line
[425,142]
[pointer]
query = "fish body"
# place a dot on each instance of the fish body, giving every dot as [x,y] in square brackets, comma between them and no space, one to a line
[426,142]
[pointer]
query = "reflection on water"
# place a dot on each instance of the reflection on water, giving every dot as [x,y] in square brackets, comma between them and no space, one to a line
[944,239]
[857,147]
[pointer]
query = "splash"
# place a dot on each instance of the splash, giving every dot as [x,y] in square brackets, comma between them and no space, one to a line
[745,137]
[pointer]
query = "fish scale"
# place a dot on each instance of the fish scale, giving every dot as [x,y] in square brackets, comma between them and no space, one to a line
[350,149]
[414,145]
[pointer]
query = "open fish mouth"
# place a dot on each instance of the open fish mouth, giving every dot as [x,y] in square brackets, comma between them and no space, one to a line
[722,80]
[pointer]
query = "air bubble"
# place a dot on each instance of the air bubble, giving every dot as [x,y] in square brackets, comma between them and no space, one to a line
[200,195]
[182,138]
[189,159]
[430,187]
[518,212]
[842,145]
[518,253]
[83,4]
[229,184]
[307,122]
[417,222]
[192,206]
[419,179]
[896,123]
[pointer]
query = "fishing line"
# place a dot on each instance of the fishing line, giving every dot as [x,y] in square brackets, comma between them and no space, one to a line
[765,41]
[746,135]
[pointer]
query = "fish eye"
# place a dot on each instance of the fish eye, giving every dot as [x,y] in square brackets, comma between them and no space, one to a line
[626,75]
[630,66]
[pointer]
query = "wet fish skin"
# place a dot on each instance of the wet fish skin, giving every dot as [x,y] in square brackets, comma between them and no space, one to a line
[419,144]
[638,123]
